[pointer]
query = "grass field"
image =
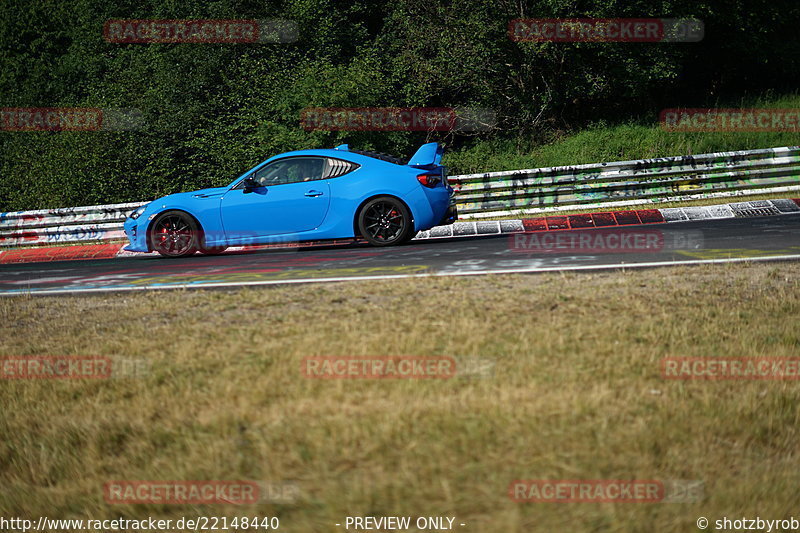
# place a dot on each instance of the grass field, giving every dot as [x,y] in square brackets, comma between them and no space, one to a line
[637,139]
[576,393]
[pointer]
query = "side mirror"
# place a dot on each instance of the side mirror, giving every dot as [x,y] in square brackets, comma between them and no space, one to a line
[250,183]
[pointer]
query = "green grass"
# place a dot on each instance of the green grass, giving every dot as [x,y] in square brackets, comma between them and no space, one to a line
[633,140]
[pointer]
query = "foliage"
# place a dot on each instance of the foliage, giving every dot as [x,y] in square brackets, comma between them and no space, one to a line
[213,110]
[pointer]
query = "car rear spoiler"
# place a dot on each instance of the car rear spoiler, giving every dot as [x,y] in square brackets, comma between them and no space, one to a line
[428,156]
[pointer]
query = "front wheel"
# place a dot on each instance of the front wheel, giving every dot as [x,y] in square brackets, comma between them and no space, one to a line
[385,221]
[174,234]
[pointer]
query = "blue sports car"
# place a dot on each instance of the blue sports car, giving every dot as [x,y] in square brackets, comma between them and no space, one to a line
[300,196]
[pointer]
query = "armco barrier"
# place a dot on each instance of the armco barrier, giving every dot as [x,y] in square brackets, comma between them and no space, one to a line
[601,220]
[600,185]
[64,225]
[628,182]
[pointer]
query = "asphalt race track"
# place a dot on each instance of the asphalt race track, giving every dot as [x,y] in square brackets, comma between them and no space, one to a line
[696,242]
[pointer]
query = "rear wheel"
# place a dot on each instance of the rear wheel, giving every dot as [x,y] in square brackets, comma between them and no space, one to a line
[174,234]
[385,221]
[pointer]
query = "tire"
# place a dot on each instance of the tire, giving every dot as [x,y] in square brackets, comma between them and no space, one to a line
[385,221]
[174,234]
[407,238]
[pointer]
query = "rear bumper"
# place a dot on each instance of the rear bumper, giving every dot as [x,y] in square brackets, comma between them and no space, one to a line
[450,216]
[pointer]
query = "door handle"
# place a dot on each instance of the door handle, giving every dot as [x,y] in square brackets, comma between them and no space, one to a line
[313,193]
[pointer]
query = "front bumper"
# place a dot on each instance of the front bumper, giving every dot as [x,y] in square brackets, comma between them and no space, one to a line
[135,230]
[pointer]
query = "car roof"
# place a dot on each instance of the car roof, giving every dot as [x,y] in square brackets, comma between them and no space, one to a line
[347,155]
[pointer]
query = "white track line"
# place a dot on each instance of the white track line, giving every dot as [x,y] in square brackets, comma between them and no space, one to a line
[402,276]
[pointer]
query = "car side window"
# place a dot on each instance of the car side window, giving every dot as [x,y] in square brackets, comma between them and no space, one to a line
[335,168]
[291,170]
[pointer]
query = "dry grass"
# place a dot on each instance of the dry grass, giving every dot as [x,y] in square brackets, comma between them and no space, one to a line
[576,393]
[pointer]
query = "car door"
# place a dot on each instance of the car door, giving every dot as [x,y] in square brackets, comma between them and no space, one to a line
[291,197]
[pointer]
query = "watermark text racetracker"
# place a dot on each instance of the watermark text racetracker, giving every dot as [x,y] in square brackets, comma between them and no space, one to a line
[731,120]
[605,241]
[28,367]
[731,368]
[199,492]
[69,119]
[394,367]
[397,119]
[605,491]
[140,31]
[630,30]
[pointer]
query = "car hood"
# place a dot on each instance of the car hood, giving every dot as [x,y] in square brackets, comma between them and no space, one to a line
[208,193]
[202,193]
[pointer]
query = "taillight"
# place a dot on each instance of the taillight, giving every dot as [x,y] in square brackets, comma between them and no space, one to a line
[429,180]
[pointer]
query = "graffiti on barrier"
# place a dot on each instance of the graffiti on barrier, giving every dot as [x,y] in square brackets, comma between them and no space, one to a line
[81,234]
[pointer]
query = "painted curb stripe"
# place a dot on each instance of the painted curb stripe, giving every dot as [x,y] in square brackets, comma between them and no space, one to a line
[594,220]
[60,253]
